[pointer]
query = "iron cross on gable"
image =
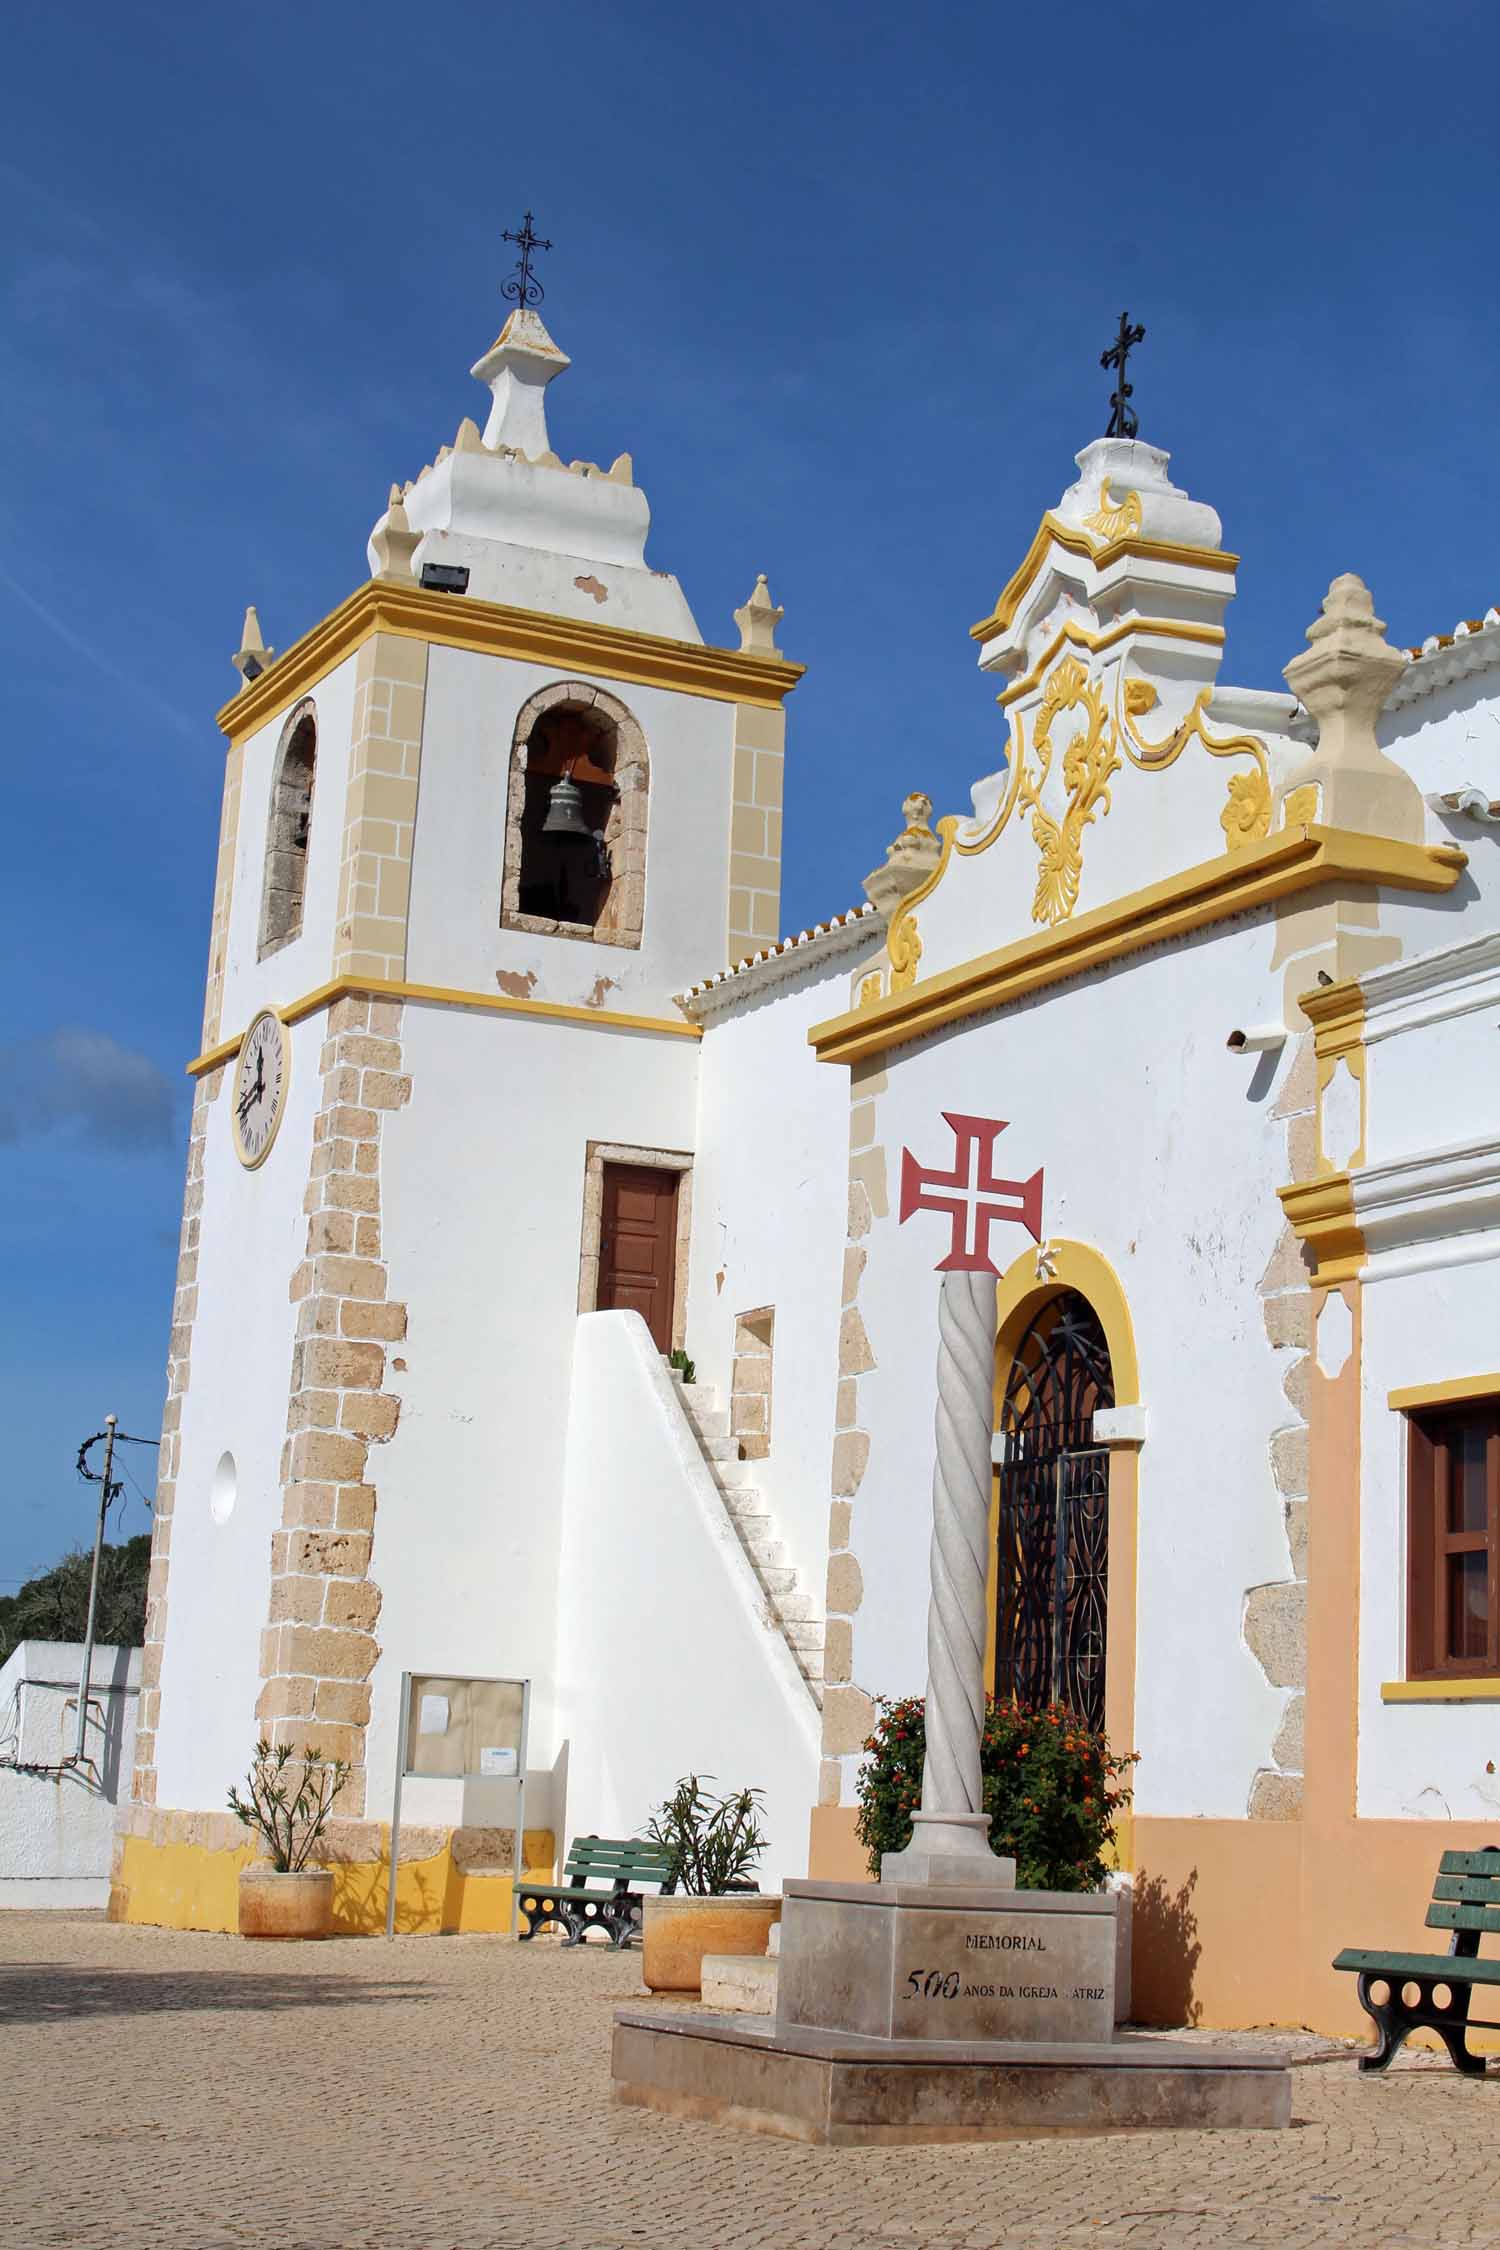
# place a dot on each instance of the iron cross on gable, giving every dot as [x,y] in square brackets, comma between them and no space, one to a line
[523,288]
[1122,420]
[970,1195]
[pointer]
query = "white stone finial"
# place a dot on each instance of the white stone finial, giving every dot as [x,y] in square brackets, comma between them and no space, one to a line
[1343,677]
[518,366]
[910,860]
[757,620]
[252,656]
[393,542]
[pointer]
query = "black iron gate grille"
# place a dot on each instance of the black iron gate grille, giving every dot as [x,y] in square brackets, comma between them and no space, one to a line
[1054,1514]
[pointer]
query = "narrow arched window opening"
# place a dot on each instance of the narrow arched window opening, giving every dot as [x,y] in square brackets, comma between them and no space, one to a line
[288,831]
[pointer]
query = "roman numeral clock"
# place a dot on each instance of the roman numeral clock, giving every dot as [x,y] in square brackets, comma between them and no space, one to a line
[260,1084]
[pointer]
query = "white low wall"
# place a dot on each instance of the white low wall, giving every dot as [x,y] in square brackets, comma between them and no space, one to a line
[667,1664]
[57,1821]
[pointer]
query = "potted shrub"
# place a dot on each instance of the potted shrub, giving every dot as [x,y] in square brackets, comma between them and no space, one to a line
[1052,1788]
[711,1904]
[288,1812]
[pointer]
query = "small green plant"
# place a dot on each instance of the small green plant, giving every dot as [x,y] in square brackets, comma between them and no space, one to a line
[685,1367]
[289,1814]
[1052,1789]
[714,1842]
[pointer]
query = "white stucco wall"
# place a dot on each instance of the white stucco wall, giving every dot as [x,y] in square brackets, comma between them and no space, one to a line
[482,1214]
[1429,1298]
[252,1240]
[455,937]
[666,1665]
[250,984]
[769,1223]
[1160,1152]
[56,1828]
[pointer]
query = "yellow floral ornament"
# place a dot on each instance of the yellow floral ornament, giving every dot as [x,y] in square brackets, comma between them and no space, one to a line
[1088,763]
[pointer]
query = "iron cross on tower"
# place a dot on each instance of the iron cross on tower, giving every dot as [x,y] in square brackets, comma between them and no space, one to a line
[523,289]
[1122,421]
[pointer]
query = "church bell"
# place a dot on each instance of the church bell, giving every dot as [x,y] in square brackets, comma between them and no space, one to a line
[565,813]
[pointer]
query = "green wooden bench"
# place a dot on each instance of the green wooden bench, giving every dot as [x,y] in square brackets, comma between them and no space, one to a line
[1465,1900]
[577,1902]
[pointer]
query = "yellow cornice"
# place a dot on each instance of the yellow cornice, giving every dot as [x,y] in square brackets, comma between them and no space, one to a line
[1052,531]
[493,629]
[447,996]
[1291,860]
[1321,1214]
[1473,1690]
[1337,1015]
[1461,1390]
[1164,628]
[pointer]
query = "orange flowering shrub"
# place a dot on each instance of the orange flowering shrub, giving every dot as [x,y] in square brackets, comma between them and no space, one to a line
[1052,1788]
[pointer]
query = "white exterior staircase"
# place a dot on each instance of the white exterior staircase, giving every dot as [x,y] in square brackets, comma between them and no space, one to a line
[789,1608]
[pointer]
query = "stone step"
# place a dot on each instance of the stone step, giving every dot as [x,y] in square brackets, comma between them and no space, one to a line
[725,1449]
[735,1475]
[701,1397]
[795,1609]
[760,1547]
[805,1635]
[778,1580]
[711,1421]
[741,1984]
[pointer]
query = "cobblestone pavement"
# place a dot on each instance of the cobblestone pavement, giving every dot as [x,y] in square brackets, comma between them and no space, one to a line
[195,2093]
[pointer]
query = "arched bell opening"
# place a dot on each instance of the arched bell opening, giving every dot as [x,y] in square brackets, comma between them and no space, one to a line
[570,796]
[1052,1517]
[576,812]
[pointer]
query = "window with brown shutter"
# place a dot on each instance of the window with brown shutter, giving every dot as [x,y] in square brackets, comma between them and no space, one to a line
[1453,1542]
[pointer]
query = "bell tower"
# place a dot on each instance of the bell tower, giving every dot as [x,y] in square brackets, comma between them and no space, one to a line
[481,825]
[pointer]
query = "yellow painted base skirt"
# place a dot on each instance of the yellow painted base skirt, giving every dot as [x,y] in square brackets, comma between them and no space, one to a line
[190,1886]
[1235,1922]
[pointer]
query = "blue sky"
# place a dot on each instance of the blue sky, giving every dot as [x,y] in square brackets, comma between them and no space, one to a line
[838,278]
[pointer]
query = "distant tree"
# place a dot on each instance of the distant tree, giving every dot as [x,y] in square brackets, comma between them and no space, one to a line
[55,1607]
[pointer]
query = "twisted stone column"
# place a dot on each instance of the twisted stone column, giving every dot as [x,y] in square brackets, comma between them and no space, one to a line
[950,1837]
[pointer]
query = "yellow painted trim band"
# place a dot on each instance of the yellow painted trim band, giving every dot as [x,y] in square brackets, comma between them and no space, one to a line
[1101,552]
[1456,1393]
[1440,1691]
[1321,1214]
[1292,860]
[183,1886]
[493,629]
[1161,628]
[448,996]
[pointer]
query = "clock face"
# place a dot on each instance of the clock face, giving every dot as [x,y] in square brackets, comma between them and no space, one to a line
[260,1088]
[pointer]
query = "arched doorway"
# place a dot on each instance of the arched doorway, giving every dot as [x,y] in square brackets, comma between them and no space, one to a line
[1052,1582]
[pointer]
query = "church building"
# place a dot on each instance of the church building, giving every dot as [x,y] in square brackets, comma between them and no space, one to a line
[511,1089]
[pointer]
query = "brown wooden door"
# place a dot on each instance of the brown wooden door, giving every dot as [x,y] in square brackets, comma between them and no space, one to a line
[638,1246]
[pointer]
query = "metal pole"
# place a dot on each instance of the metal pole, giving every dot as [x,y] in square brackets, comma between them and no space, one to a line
[401,1750]
[88,1631]
[518,1875]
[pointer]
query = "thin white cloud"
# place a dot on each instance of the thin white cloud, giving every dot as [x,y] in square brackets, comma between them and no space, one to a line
[85,1080]
[97,659]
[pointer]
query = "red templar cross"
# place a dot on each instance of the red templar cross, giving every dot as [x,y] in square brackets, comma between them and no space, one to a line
[971,1186]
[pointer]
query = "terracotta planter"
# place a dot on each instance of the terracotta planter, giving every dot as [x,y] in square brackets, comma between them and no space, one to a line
[680,1930]
[273,1905]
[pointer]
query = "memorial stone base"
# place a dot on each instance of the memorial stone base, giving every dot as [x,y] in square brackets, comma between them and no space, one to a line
[911,2012]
